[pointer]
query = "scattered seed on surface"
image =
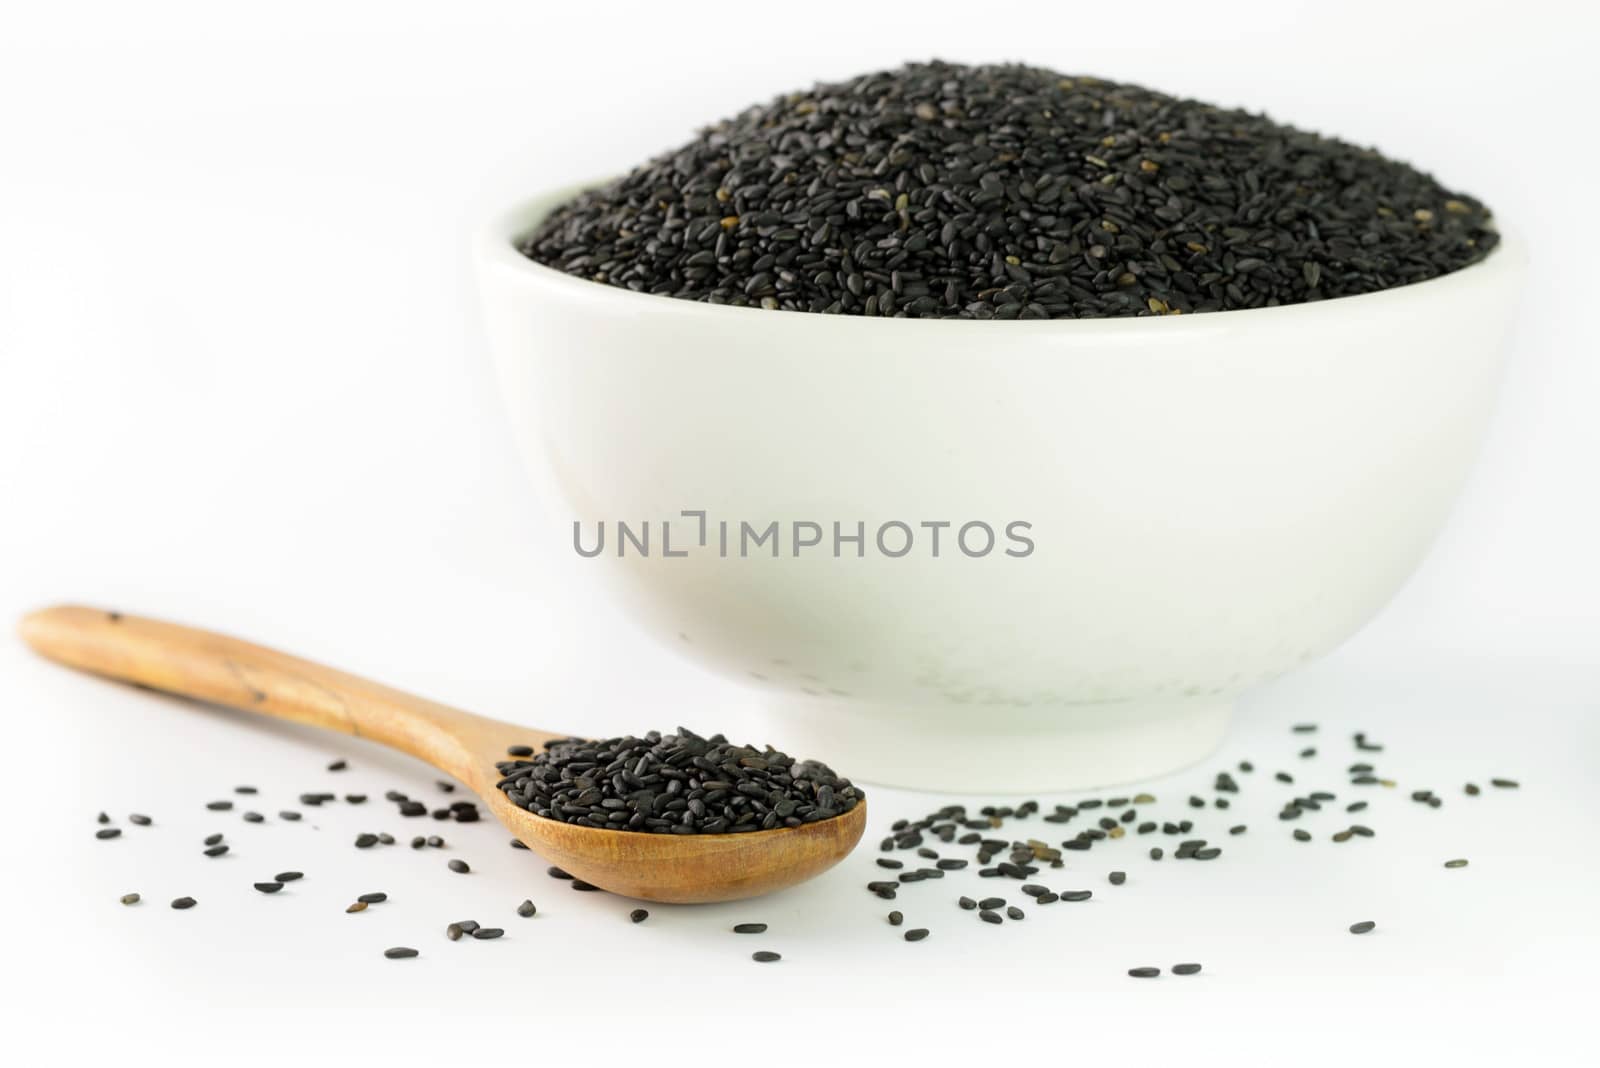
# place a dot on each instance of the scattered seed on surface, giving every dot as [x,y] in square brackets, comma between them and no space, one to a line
[1144,973]
[579,884]
[1505,784]
[459,866]
[289,876]
[108,832]
[639,915]
[399,952]
[216,851]
[138,820]
[357,906]
[896,918]
[1459,863]
[183,902]
[130,899]
[219,806]
[765,956]
[1117,878]
[1185,969]
[269,888]
[1363,927]
[373,898]
[487,933]
[916,934]
[749,928]
[526,909]
[990,916]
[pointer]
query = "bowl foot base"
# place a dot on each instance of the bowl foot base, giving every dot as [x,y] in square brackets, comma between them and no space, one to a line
[987,749]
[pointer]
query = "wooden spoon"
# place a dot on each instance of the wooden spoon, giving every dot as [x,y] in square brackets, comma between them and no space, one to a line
[225,671]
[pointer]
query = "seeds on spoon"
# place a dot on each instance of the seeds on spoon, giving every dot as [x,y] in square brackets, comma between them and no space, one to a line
[717,781]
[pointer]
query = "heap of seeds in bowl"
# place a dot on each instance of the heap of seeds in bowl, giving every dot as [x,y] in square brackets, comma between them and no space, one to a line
[673,784]
[1010,192]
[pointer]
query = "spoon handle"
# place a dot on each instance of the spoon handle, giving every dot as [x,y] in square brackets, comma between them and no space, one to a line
[212,667]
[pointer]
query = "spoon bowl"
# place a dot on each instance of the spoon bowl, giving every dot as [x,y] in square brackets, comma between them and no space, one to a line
[203,666]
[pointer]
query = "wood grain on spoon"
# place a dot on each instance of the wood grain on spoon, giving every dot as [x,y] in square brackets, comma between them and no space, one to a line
[214,668]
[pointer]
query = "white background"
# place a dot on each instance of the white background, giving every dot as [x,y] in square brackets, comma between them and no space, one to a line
[241,385]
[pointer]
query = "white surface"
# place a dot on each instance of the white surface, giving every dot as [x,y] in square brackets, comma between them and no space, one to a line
[1209,501]
[241,385]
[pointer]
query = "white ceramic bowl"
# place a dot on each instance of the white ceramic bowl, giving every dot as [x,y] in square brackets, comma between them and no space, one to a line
[1212,499]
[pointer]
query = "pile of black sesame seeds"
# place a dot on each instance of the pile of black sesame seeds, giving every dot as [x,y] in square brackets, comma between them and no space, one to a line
[673,784]
[1010,192]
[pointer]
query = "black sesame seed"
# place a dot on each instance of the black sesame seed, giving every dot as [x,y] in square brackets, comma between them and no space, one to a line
[679,783]
[557,873]
[1363,927]
[338,765]
[269,888]
[399,952]
[183,902]
[916,934]
[288,876]
[1302,835]
[1185,969]
[486,933]
[1117,878]
[966,903]
[139,821]
[749,928]
[1505,784]
[245,790]
[130,899]
[215,851]
[989,916]
[765,956]
[108,832]
[1076,895]
[579,884]
[1144,973]
[1459,863]
[639,915]
[1014,913]
[460,867]
[454,932]
[526,909]
[883,195]
[373,898]
[219,806]
[253,817]
[289,814]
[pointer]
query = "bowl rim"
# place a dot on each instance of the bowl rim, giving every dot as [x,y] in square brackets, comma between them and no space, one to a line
[496,247]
